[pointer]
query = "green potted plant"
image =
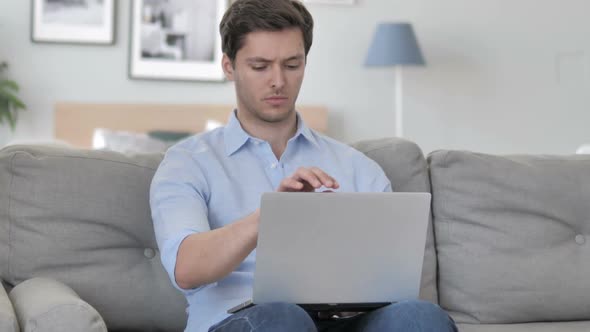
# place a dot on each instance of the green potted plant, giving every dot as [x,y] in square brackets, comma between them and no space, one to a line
[10,103]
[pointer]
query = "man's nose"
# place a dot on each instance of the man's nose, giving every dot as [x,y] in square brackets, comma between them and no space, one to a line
[277,77]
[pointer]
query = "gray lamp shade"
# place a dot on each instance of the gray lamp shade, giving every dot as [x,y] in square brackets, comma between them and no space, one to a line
[394,44]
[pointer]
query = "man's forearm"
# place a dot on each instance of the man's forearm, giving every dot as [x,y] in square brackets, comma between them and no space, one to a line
[206,257]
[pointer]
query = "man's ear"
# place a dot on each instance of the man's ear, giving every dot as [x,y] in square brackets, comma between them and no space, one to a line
[228,67]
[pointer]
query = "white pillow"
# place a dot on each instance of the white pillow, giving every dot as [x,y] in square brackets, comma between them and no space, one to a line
[584,149]
[127,142]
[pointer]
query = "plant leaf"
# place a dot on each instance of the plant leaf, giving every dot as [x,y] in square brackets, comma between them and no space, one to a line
[10,103]
[12,99]
[11,120]
[17,104]
[3,106]
[7,84]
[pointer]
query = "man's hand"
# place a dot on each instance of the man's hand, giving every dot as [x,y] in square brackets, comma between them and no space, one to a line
[307,180]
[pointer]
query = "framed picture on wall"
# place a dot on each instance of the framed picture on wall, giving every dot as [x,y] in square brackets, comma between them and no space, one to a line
[73,21]
[176,40]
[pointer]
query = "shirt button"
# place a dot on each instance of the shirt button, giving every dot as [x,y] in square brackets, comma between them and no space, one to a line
[149,253]
[273,165]
[580,239]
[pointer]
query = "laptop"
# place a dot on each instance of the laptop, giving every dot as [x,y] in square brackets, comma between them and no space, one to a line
[340,251]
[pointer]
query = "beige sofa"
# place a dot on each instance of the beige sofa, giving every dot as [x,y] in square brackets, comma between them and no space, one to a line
[508,249]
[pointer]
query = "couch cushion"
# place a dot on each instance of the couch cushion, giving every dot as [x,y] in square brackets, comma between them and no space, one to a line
[405,166]
[512,236]
[82,217]
[8,321]
[47,305]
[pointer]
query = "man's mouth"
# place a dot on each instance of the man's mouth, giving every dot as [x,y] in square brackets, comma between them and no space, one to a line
[276,100]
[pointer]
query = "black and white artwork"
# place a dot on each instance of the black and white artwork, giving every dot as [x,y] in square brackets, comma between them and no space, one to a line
[176,39]
[73,21]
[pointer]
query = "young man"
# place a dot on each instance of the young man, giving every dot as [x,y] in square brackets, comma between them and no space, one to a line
[206,193]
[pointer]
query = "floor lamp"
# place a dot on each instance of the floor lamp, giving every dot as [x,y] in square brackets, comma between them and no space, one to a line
[395,44]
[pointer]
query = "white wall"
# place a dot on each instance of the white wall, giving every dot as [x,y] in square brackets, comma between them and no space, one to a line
[502,76]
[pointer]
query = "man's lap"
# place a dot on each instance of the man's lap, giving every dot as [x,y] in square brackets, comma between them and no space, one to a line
[402,316]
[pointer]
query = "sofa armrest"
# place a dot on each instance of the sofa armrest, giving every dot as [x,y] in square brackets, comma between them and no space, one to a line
[8,321]
[49,305]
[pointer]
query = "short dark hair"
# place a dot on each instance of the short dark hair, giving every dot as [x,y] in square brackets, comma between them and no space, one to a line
[245,16]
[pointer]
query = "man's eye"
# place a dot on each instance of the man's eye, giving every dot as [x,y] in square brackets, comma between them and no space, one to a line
[258,68]
[293,66]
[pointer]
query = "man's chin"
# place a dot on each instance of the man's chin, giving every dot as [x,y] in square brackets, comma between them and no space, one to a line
[274,115]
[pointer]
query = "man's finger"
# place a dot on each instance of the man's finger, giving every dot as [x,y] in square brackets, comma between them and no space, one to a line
[327,180]
[290,184]
[307,175]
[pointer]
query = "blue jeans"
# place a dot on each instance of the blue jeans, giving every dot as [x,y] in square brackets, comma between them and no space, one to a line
[419,316]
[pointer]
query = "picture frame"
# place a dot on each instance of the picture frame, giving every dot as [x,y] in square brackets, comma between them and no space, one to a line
[176,40]
[73,21]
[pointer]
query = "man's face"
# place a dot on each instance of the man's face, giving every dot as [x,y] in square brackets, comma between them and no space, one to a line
[268,72]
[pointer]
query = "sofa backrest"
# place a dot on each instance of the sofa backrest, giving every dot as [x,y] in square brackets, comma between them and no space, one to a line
[512,236]
[83,217]
[405,166]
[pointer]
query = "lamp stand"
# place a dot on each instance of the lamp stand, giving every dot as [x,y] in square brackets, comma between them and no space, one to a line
[399,112]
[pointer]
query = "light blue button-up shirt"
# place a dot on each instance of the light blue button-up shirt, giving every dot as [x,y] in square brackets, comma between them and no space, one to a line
[213,179]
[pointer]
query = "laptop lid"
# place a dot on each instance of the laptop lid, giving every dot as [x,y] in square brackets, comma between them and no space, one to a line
[340,248]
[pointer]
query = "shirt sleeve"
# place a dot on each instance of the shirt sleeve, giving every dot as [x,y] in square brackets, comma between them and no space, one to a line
[178,201]
[370,176]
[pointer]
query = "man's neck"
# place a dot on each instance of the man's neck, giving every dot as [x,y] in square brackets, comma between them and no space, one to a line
[277,134]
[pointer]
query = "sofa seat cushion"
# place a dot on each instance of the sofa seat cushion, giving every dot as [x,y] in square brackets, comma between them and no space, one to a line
[581,326]
[82,217]
[47,305]
[513,236]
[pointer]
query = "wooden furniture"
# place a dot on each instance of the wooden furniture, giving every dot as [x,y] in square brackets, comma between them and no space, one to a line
[75,122]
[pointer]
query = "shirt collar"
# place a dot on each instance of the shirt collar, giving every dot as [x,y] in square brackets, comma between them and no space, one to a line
[305,131]
[235,136]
